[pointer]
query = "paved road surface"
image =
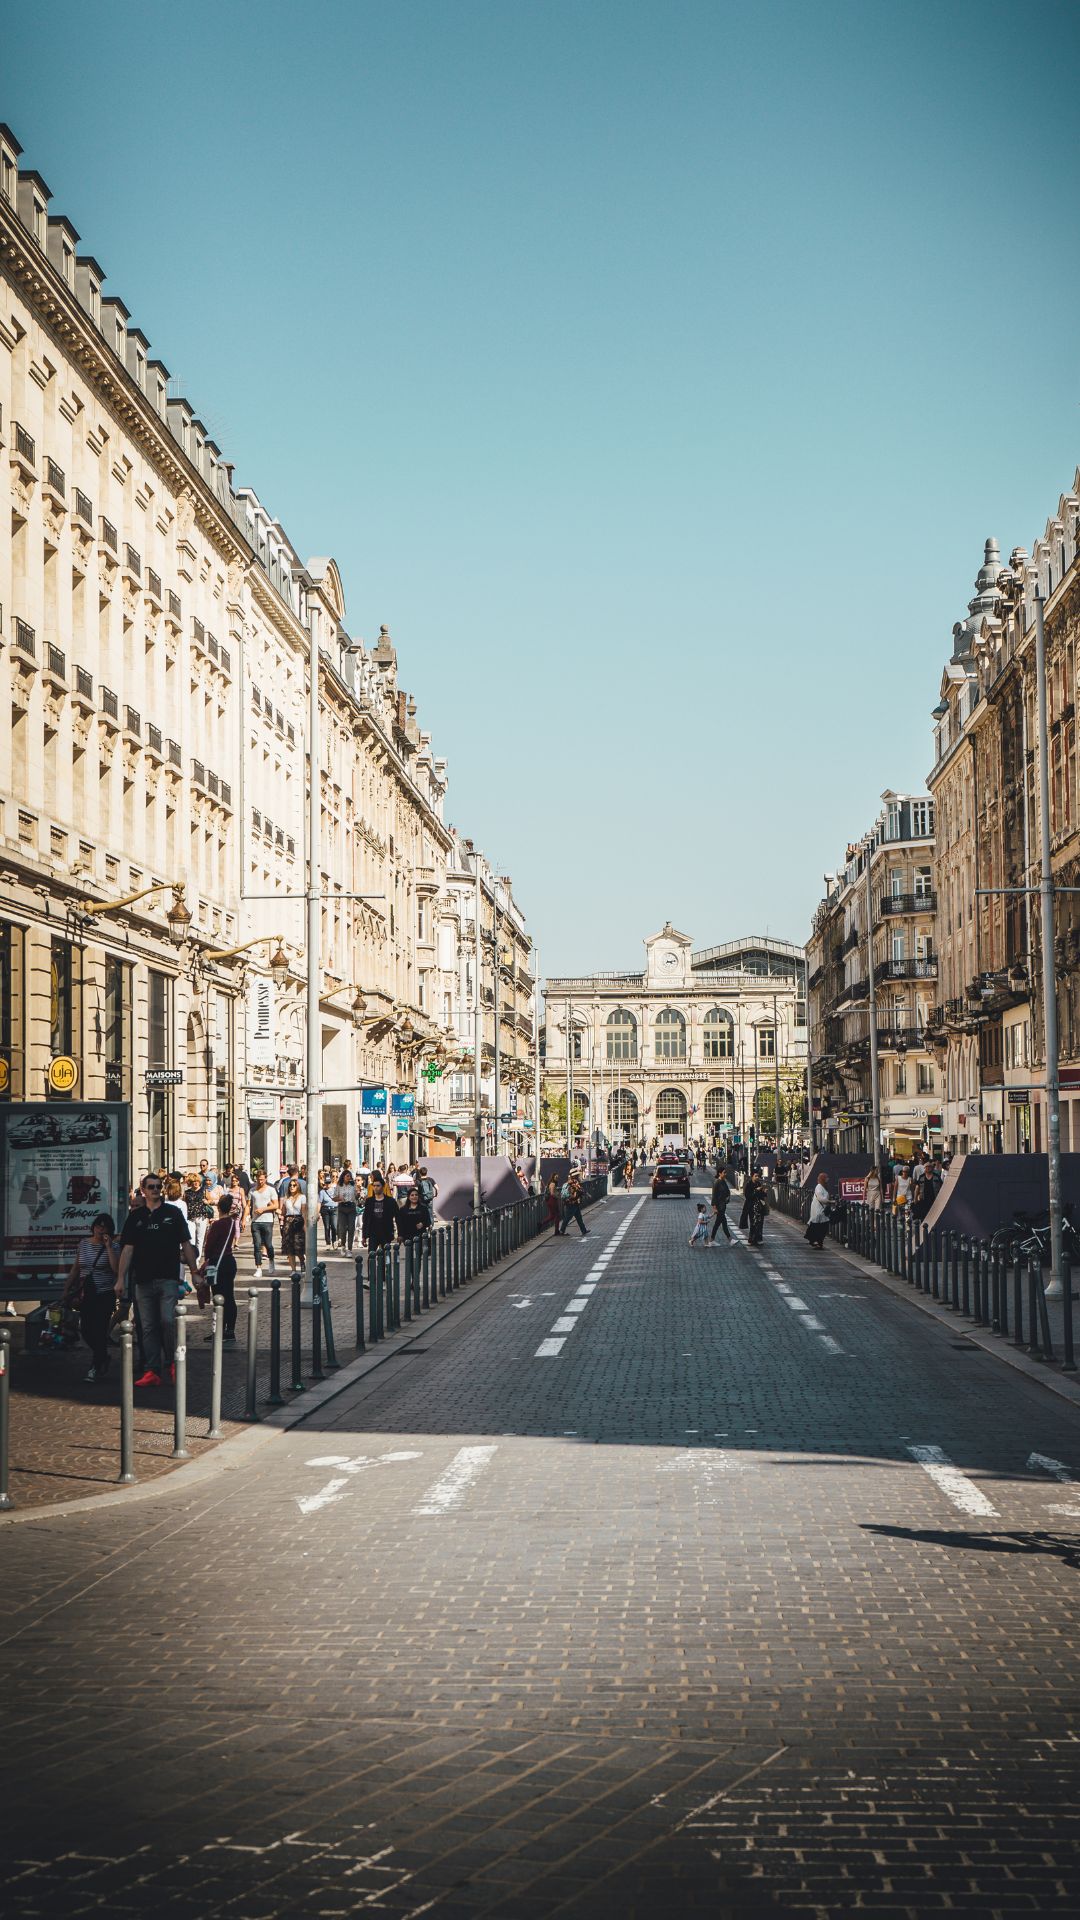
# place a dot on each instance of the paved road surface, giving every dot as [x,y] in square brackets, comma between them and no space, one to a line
[658,1580]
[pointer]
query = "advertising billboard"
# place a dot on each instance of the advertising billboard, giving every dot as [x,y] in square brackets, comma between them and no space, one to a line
[59,1166]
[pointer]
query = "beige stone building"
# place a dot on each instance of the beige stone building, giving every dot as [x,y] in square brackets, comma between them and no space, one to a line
[156,626]
[690,1046]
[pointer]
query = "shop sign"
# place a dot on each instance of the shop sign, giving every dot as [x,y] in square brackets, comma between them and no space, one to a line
[60,1167]
[373,1099]
[262,1106]
[1019,1096]
[291,1107]
[63,1073]
[5,1074]
[853,1189]
[164,1077]
[261,1021]
[403,1103]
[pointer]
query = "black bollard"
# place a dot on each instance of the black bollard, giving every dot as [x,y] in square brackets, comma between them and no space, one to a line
[250,1412]
[1069,1359]
[217,1334]
[316,1334]
[1018,1296]
[275,1397]
[5,1418]
[296,1385]
[360,1303]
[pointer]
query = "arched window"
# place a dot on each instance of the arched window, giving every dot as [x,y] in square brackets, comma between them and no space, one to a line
[718,1034]
[670,1035]
[621,1035]
[623,1115]
[720,1107]
[671,1111]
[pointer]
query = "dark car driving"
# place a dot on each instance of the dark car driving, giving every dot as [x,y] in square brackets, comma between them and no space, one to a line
[671,1176]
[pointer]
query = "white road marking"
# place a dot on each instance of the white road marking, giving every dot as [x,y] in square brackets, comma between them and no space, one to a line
[830,1345]
[708,1462]
[548,1349]
[815,1325]
[466,1466]
[1042,1463]
[577,1304]
[792,1300]
[952,1483]
[335,1489]
[563,1324]
[519,1304]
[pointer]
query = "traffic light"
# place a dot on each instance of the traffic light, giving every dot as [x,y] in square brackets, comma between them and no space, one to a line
[751,1136]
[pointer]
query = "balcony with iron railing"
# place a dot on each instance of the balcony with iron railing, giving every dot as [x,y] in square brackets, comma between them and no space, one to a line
[55,664]
[897,903]
[153,585]
[108,536]
[173,608]
[132,561]
[83,509]
[24,639]
[83,688]
[153,741]
[133,724]
[924,968]
[172,753]
[55,478]
[109,708]
[24,450]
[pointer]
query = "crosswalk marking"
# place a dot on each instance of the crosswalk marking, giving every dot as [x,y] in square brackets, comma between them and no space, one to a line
[955,1485]
[466,1466]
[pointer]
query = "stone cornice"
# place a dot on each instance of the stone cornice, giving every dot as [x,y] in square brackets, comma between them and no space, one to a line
[57,308]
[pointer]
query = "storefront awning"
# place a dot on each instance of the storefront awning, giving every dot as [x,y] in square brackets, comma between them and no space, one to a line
[452,1127]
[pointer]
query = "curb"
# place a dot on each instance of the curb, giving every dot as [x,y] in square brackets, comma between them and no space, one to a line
[233,1450]
[1063,1385]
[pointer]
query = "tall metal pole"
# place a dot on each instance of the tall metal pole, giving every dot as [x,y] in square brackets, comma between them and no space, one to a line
[536,1061]
[313,1103]
[478,1041]
[776,1070]
[809,1061]
[1055,1290]
[569,1078]
[875,1092]
[495,979]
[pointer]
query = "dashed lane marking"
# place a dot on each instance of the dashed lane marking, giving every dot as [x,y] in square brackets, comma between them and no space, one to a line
[955,1485]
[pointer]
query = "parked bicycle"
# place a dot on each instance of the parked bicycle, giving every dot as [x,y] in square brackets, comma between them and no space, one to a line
[1025,1236]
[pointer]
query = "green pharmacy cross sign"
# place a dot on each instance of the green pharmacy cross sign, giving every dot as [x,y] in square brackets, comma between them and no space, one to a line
[432,1072]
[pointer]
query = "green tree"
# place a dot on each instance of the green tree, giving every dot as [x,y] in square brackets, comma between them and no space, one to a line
[553,1115]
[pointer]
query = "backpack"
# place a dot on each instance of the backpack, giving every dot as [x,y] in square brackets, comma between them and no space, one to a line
[426,1190]
[564,1190]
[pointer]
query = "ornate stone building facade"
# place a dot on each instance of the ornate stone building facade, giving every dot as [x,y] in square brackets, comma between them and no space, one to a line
[694,1043]
[886,885]
[987,1026]
[156,628]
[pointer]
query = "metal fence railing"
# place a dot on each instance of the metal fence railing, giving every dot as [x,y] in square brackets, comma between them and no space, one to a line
[989,1281]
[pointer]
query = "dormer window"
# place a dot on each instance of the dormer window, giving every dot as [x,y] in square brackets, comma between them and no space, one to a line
[39,221]
[7,177]
[95,305]
[119,340]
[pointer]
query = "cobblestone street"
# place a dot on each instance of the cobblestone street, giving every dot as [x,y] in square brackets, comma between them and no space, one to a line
[660,1579]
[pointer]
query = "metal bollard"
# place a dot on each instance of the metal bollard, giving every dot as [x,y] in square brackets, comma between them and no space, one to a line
[5,1417]
[965,1274]
[217,1335]
[360,1303]
[275,1398]
[1018,1298]
[320,1297]
[180,1451]
[296,1357]
[1069,1358]
[1044,1316]
[410,1277]
[126,1474]
[316,1335]
[1034,1286]
[252,1353]
[1003,1292]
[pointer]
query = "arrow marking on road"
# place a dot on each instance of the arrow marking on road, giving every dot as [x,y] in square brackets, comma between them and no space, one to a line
[336,1488]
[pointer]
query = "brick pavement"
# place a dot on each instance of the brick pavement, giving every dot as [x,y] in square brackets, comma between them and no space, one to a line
[673,1620]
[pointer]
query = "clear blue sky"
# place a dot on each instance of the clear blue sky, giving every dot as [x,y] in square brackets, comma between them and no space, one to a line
[655,372]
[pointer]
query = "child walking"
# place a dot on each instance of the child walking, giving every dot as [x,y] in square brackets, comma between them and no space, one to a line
[700,1235]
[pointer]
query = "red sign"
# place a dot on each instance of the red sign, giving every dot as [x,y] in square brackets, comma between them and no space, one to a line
[853,1189]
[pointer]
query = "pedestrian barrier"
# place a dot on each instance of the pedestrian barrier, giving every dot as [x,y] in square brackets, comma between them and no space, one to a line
[5,1415]
[969,1276]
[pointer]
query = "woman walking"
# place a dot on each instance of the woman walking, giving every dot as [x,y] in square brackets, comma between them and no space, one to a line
[92,1287]
[218,1267]
[328,1207]
[551,1204]
[265,1208]
[757,1206]
[198,1209]
[345,1198]
[380,1217]
[294,1225]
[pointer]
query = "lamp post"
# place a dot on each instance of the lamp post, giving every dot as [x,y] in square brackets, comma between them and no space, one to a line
[536,1061]
[875,1091]
[478,1039]
[1055,1291]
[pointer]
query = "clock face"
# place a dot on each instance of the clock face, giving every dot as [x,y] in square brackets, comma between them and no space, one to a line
[669,962]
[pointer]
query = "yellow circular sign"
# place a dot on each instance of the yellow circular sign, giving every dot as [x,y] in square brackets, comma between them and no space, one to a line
[63,1073]
[5,1074]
